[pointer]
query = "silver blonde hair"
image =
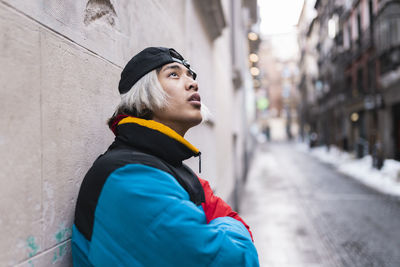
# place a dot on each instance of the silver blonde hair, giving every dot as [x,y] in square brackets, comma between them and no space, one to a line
[146,94]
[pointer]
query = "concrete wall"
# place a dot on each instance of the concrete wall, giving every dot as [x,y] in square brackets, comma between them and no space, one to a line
[60,66]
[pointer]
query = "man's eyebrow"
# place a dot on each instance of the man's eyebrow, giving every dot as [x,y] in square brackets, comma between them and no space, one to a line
[177,67]
[172,67]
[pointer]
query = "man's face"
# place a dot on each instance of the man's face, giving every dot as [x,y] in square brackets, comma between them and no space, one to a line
[183,109]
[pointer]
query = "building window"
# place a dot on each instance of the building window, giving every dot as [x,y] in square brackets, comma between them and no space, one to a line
[359,28]
[387,28]
[333,26]
[360,81]
[394,31]
[350,37]
[371,13]
[371,76]
[349,84]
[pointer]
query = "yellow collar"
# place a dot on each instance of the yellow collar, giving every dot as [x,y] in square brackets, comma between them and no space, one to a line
[161,128]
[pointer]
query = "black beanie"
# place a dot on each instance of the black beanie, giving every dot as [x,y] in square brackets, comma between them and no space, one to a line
[147,60]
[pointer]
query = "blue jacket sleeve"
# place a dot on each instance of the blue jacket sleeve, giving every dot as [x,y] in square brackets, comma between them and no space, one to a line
[145,218]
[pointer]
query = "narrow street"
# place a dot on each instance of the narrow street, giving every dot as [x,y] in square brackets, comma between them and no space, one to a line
[304,213]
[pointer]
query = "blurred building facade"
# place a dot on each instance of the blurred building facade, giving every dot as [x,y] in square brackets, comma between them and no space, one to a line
[308,29]
[356,89]
[279,86]
[61,63]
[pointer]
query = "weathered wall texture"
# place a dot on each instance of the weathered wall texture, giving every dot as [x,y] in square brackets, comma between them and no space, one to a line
[59,71]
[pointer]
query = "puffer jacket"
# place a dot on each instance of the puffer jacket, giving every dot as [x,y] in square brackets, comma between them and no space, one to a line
[139,205]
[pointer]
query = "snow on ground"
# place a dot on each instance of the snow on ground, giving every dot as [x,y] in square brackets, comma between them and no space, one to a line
[386,180]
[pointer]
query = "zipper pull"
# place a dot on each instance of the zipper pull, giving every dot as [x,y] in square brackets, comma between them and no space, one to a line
[199,162]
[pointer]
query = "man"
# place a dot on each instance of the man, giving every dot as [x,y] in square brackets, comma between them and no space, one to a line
[139,205]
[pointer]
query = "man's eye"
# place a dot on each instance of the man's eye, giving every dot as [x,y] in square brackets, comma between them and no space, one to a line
[173,74]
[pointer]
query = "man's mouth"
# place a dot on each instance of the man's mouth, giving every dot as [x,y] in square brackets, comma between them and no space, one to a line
[195,97]
[195,100]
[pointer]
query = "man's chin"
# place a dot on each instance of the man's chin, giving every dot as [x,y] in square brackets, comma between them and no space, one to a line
[196,121]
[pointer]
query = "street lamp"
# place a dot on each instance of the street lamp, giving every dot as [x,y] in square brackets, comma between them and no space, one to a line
[254,71]
[354,117]
[252,36]
[253,57]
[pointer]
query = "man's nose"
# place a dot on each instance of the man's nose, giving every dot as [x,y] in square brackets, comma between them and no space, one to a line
[192,85]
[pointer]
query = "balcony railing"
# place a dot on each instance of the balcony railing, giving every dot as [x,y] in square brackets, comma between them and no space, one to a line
[387,28]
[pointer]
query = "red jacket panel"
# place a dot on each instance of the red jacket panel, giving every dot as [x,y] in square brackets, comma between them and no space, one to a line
[215,207]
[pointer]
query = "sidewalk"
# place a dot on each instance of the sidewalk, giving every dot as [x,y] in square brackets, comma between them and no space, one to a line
[385,180]
[283,231]
[305,213]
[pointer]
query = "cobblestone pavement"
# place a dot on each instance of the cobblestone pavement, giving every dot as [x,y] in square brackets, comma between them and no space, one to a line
[304,213]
